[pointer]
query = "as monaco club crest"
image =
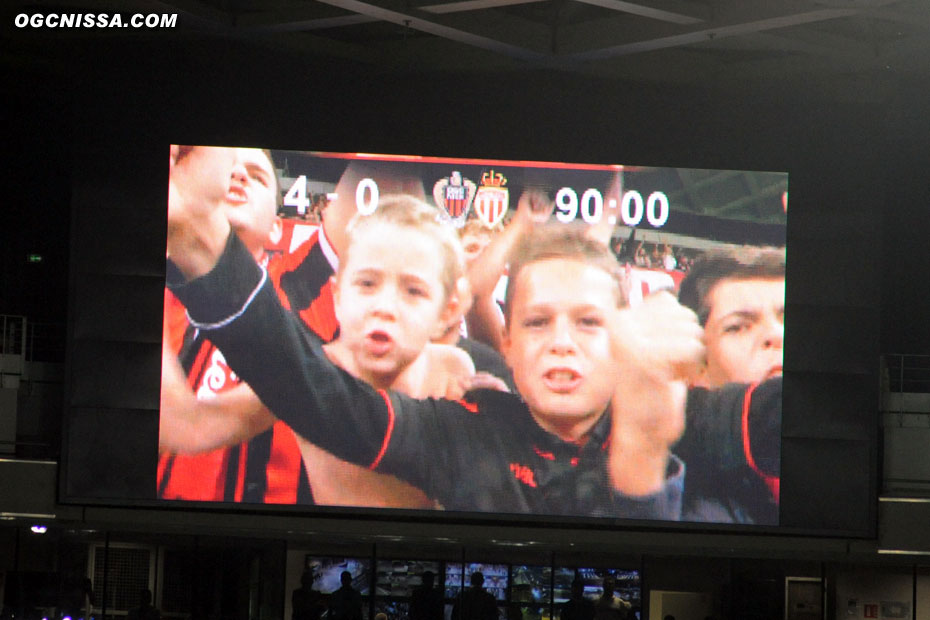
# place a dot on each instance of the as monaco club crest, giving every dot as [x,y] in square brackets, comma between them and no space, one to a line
[492,198]
[455,195]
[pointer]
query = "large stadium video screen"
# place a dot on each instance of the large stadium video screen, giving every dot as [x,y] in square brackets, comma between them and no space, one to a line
[473,336]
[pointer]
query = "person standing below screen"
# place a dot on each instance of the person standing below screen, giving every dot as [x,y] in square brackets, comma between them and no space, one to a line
[346,602]
[426,602]
[476,603]
[610,606]
[307,603]
[77,594]
[577,607]
[145,610]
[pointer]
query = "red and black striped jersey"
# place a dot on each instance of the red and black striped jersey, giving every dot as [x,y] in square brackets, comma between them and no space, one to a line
[268,468]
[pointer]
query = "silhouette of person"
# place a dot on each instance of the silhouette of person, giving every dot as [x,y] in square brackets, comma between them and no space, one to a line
[346,602]
[307,603]
[426,602]
[145,610]
[476,603]
[76,592]
[610,607]
[577,607]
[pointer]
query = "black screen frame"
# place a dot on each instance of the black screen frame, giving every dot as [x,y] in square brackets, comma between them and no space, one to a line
[834,335]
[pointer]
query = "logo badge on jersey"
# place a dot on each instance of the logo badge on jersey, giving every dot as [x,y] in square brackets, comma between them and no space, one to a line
[455,195]
[218,377]
[492,198]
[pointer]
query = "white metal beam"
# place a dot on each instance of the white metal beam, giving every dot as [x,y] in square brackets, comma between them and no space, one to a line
[707,34]
[439,30]
[642,10]
[470,5]
[319,23]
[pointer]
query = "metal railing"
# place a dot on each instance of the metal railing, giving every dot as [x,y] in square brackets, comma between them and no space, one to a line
[45,342]
[905,388]
[12,334]
[906,373]
[31,341]
[905,425]
[27,351]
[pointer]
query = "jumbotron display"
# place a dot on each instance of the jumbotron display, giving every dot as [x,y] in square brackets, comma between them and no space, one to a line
[473,336]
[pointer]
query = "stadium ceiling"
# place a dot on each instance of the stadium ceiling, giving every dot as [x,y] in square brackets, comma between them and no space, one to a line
[757,197]
[664,41]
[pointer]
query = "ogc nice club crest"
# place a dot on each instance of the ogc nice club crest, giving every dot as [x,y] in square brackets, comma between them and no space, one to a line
[492,198]
[455,194]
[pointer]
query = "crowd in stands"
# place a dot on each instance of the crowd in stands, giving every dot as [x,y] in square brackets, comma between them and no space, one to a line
[652,255]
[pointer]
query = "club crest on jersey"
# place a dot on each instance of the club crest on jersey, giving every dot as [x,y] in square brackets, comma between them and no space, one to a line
[218,377]
[455,194]
[492,198]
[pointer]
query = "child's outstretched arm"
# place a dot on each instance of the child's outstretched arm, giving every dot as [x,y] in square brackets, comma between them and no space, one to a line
[484,320]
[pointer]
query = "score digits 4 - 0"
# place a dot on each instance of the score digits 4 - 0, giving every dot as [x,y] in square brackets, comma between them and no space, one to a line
[366,196]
